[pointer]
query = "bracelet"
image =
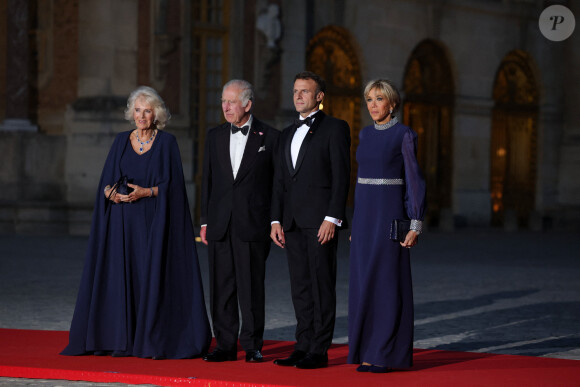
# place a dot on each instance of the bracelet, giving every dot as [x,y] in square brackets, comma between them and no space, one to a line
[151,195]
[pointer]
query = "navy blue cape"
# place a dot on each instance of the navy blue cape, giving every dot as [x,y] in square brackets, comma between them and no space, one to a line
[169,320]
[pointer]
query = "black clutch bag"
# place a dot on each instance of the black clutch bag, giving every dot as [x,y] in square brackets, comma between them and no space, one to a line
[399,229]
[121,187]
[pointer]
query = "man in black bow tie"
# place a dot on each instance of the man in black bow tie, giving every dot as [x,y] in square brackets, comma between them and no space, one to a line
[308,207]
[236,192]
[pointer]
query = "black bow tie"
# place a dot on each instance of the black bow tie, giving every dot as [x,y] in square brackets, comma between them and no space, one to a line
[244,129]
[307,121]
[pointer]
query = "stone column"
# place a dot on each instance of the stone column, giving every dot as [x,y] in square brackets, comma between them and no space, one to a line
[295,19]
[17,68]
[471,134]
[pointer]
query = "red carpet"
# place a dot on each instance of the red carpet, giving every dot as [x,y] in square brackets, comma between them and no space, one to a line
[34,354]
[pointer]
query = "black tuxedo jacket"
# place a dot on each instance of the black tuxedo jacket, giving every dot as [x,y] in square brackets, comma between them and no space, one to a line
[318,186]
[244,201]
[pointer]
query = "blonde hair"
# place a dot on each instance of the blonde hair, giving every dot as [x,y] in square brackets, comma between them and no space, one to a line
[388,89]
[150,96]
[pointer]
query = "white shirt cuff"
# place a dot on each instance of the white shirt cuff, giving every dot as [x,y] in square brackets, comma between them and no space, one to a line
[338,222]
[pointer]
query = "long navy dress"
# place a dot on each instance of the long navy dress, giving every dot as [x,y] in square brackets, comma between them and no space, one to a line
[389,186]
[141,291]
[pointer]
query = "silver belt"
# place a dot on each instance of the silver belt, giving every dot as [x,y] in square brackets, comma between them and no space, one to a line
[364,180]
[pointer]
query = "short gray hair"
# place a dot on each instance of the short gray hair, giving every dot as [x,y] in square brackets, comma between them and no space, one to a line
[388,89]
[149,95]
[246,90]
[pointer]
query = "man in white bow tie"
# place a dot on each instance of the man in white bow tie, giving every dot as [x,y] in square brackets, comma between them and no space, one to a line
[236,192]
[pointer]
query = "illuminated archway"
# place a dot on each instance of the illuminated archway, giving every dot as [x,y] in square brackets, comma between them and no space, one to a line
[331,54]
[428,109]
[513,139]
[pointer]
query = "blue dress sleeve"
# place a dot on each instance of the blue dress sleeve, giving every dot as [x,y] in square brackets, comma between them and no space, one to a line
[414,180]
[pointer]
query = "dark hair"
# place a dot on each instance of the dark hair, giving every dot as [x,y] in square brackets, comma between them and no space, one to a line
[320,84]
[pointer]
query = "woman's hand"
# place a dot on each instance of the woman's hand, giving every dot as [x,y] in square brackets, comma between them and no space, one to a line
[112,195]
[411,239]
[138,193]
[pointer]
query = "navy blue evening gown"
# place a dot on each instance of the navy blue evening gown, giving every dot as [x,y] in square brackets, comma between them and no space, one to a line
[389,186]
[141,291]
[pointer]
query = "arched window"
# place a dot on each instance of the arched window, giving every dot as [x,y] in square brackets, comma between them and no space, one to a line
[428,109]
[331,55]
[513,140]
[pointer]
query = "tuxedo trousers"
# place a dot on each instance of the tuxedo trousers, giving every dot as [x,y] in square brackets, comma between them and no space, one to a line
[237,270]
[312,268]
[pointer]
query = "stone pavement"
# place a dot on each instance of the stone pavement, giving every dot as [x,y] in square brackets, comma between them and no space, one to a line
[478,290]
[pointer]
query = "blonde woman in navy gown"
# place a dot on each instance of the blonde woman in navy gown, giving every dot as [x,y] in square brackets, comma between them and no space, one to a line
[390,186]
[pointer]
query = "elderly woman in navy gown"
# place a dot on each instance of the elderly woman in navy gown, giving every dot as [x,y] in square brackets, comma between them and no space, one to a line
[141,292]
[389,186]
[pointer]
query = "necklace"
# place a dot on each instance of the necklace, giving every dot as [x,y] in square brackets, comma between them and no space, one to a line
[145,142]
[386,125]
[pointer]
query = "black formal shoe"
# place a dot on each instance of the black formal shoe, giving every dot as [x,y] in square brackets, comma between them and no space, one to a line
[363,368]
[160,357]
[379,370]
[254,357]
[218,356]
[292,359]
[312,361]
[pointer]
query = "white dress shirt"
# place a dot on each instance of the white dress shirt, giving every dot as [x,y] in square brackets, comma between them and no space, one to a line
[237,145]
[298,139]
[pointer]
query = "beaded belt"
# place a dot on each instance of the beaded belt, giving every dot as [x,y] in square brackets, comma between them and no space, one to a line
[364,180]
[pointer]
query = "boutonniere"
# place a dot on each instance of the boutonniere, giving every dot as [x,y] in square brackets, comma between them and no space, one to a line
[260,133]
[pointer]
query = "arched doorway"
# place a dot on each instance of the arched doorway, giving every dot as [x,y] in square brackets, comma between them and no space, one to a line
[428,109]
[331,55]
[513,140]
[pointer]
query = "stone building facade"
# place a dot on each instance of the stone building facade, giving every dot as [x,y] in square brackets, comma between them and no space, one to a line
[494,101]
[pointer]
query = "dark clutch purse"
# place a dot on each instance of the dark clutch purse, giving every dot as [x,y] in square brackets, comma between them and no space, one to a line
[121,186]
[399,229]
